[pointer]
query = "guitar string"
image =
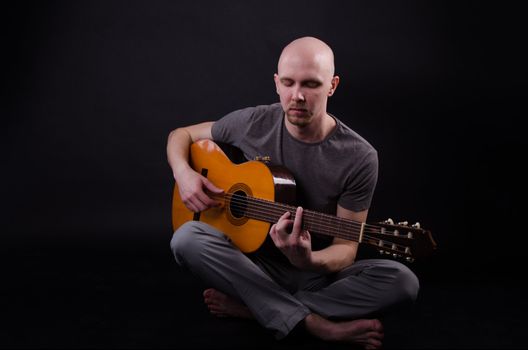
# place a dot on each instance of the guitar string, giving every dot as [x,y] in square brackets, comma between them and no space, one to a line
[274,206]
[272,209]
[276,213]
[283,207]
[241,203]
[386,244]
[397,247]
[320,226]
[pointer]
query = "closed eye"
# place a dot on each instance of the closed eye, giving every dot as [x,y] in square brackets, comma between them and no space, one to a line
[312,84]
[286,82]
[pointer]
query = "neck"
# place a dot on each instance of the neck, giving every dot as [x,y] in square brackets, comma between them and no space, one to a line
[315,131]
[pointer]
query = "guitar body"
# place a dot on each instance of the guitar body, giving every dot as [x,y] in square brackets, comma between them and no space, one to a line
[248,179]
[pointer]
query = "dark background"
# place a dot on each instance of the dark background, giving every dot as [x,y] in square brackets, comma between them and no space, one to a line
[91,90]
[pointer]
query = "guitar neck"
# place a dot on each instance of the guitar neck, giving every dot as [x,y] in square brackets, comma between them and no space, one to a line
[330,225]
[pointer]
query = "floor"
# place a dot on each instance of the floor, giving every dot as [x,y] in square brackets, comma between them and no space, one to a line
[115,293]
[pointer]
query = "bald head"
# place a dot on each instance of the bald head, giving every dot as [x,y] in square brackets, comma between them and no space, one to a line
[304,81]
[308,51]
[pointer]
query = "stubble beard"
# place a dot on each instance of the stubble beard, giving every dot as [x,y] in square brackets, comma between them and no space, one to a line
[300,120]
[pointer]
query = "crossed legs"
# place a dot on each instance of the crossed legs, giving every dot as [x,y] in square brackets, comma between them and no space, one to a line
[241,289]
[365,332]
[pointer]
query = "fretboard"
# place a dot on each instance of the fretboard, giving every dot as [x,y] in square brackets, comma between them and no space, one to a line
[268,211]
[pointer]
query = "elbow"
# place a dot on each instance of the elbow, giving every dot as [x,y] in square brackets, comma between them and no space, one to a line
[172,135]
[174,132]
[177,134]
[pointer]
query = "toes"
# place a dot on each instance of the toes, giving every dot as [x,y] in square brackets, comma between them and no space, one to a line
[208,292]
[218,313]
[373,344]
[377,325]
[375,335]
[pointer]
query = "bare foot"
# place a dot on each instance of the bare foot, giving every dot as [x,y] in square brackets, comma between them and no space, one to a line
[367,333]
[222,305]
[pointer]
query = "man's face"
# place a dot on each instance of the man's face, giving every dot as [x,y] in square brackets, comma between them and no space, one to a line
[303,85]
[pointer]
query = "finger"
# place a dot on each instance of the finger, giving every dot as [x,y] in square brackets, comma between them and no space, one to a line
[209,185]
[274,236]
[278,237]
[204,201]
[306,235]
[285,216]
[198,204]
[190,205]
[194,200]
[273,232]
[215,190]
[283,227]
[297,222]
[283,224]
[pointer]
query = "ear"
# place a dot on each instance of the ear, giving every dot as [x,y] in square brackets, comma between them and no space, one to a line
[334,83]
[276,79]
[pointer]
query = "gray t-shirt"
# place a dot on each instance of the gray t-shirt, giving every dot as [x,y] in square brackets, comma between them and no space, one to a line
[342,169]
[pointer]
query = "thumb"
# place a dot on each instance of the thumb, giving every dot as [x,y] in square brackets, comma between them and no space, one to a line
[212,187]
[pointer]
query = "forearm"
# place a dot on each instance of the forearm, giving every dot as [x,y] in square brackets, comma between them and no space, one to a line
[342,253]
[178,145]
[295,244]
[179,142]
[333,258]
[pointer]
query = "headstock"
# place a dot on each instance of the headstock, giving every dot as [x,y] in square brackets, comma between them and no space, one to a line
[399,240]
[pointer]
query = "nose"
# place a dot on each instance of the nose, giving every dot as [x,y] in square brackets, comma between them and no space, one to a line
[297,94]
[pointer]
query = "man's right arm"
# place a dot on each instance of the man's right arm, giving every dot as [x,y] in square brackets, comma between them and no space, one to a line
[191,185]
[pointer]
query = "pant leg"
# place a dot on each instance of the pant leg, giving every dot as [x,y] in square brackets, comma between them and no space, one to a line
[364,289]
[210,255]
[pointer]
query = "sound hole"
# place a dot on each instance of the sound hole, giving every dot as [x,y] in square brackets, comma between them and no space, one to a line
[238,204]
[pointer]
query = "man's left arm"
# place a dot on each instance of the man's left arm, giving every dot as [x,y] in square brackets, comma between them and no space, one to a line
[341,253]
[295,243]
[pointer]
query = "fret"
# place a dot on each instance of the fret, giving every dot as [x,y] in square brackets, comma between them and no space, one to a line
[313,221]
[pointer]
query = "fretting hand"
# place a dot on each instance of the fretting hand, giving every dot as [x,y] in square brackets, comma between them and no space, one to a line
[295,245]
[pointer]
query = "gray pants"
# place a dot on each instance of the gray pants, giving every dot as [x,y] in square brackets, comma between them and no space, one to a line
[279,295]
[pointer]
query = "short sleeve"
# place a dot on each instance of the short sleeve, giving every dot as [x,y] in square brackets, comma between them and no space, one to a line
[232,128]
[360,185]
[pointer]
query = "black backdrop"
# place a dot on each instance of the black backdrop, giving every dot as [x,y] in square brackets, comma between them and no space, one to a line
[91,90]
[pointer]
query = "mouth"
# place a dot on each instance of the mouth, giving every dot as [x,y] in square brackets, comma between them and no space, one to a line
[297,110]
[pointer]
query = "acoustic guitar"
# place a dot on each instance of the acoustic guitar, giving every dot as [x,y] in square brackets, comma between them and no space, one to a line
[257,195]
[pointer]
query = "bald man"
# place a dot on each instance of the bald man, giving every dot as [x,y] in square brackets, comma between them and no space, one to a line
[296,279]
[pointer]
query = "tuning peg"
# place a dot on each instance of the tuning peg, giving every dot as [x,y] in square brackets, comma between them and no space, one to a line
[417,225]
[389,221]
[404,223]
